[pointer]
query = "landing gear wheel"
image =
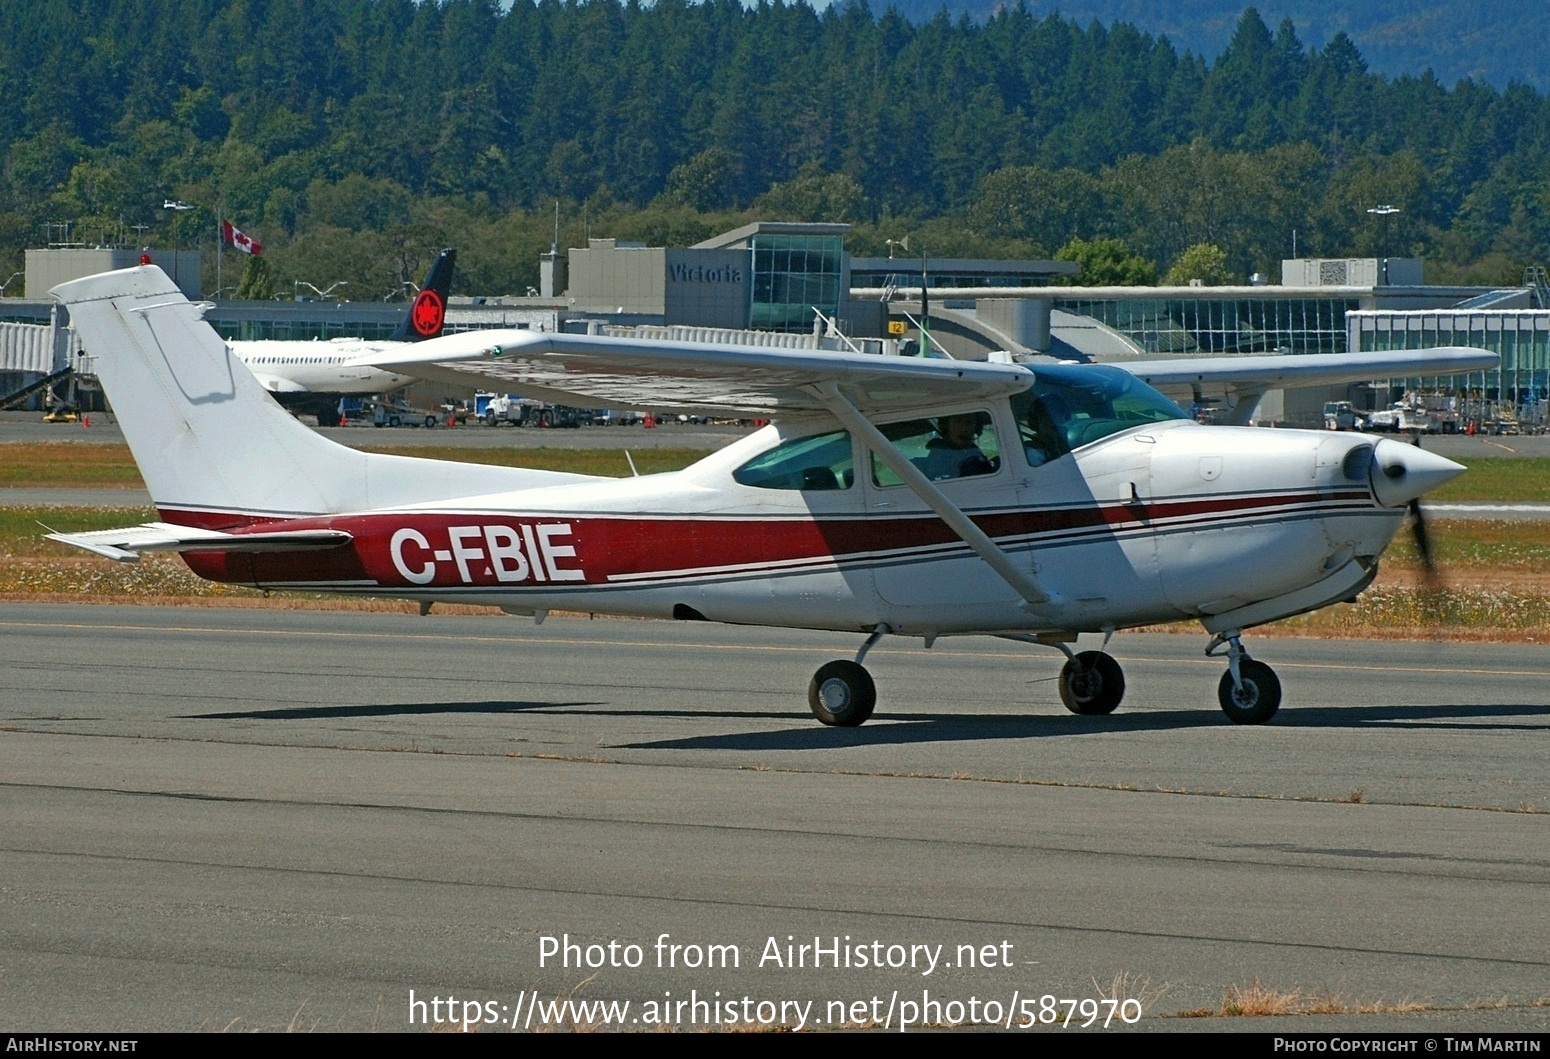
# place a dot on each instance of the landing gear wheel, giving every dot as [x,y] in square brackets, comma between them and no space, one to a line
[1092,683]
[1259,698]
[842,694]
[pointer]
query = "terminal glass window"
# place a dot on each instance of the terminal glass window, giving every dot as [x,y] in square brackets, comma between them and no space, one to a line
[793,275]
[1512,397]
[1207,326]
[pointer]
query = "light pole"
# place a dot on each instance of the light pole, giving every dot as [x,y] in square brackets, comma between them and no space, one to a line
[1384,211]
[177,206]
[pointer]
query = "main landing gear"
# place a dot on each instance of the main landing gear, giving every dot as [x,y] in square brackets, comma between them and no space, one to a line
[1092,683]
[841,692]
[1249,692]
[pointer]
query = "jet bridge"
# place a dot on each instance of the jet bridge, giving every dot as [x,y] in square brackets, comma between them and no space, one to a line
[39,358]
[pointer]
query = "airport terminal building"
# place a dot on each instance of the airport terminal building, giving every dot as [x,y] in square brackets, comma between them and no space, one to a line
[765,276]
[796,278]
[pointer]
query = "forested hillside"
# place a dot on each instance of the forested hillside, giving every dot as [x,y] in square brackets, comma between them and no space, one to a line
[1492,43]
[353,137]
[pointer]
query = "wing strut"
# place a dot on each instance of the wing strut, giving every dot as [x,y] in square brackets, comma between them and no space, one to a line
[1022,581]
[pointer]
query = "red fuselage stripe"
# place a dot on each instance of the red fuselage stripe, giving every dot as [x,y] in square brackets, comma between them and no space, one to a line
[483,549]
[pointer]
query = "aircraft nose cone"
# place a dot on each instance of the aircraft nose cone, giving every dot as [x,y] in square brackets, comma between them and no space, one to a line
[1401,472]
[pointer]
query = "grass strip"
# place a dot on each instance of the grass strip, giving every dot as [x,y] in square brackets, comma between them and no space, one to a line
[74,465]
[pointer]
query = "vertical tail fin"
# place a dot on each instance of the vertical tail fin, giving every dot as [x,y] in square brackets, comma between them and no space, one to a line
[215,450]
[205,435]
[428,312]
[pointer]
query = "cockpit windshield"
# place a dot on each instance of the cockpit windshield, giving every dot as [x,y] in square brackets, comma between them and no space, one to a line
[1067,408]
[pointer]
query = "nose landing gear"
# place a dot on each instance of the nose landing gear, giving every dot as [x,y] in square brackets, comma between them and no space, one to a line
[1249,692]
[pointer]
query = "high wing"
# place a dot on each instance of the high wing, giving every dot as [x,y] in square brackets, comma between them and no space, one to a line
[1273,372]
[125,545]
[1245,379]
[594,370]
[754,380]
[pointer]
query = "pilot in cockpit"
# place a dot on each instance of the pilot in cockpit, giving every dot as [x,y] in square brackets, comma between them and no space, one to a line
[954,452]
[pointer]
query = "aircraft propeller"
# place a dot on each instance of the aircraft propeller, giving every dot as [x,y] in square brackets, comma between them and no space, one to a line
[1423,545]
[1396,471]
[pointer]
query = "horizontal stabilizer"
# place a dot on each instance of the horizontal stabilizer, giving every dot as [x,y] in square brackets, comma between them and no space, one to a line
[125,545]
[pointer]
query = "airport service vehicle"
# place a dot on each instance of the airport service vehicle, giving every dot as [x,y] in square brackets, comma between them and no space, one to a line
[386,413]
[524,412]
[1340,415]
[1089,502]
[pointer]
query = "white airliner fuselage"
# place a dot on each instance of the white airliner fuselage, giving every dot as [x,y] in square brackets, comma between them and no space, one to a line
[337,366]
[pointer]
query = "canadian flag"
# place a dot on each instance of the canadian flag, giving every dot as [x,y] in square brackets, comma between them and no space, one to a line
[232,236]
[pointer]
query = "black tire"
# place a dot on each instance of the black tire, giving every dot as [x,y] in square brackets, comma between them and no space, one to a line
[430,421]
[1259,697]
[842,694]
[489,419]
[1092,684]
[393,421]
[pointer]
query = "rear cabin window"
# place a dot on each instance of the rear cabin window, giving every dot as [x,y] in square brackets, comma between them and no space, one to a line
[819,462]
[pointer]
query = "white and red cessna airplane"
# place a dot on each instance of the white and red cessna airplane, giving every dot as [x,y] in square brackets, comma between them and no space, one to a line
[891,495]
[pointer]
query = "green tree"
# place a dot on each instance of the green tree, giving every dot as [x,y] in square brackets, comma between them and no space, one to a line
[1047,208]
[1205,262]
[813,195]
[257,284]
[704,182]
[1107,263]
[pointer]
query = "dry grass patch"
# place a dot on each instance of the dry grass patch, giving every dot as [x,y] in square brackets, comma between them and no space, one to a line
[1257,1000]
[1126,986]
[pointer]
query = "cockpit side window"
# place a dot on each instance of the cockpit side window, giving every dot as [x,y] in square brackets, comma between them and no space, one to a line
[961,445]
[816,462]
[1039,418]
[1070,407]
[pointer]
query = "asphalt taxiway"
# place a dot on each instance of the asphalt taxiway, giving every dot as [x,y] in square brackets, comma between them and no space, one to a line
[262,819]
